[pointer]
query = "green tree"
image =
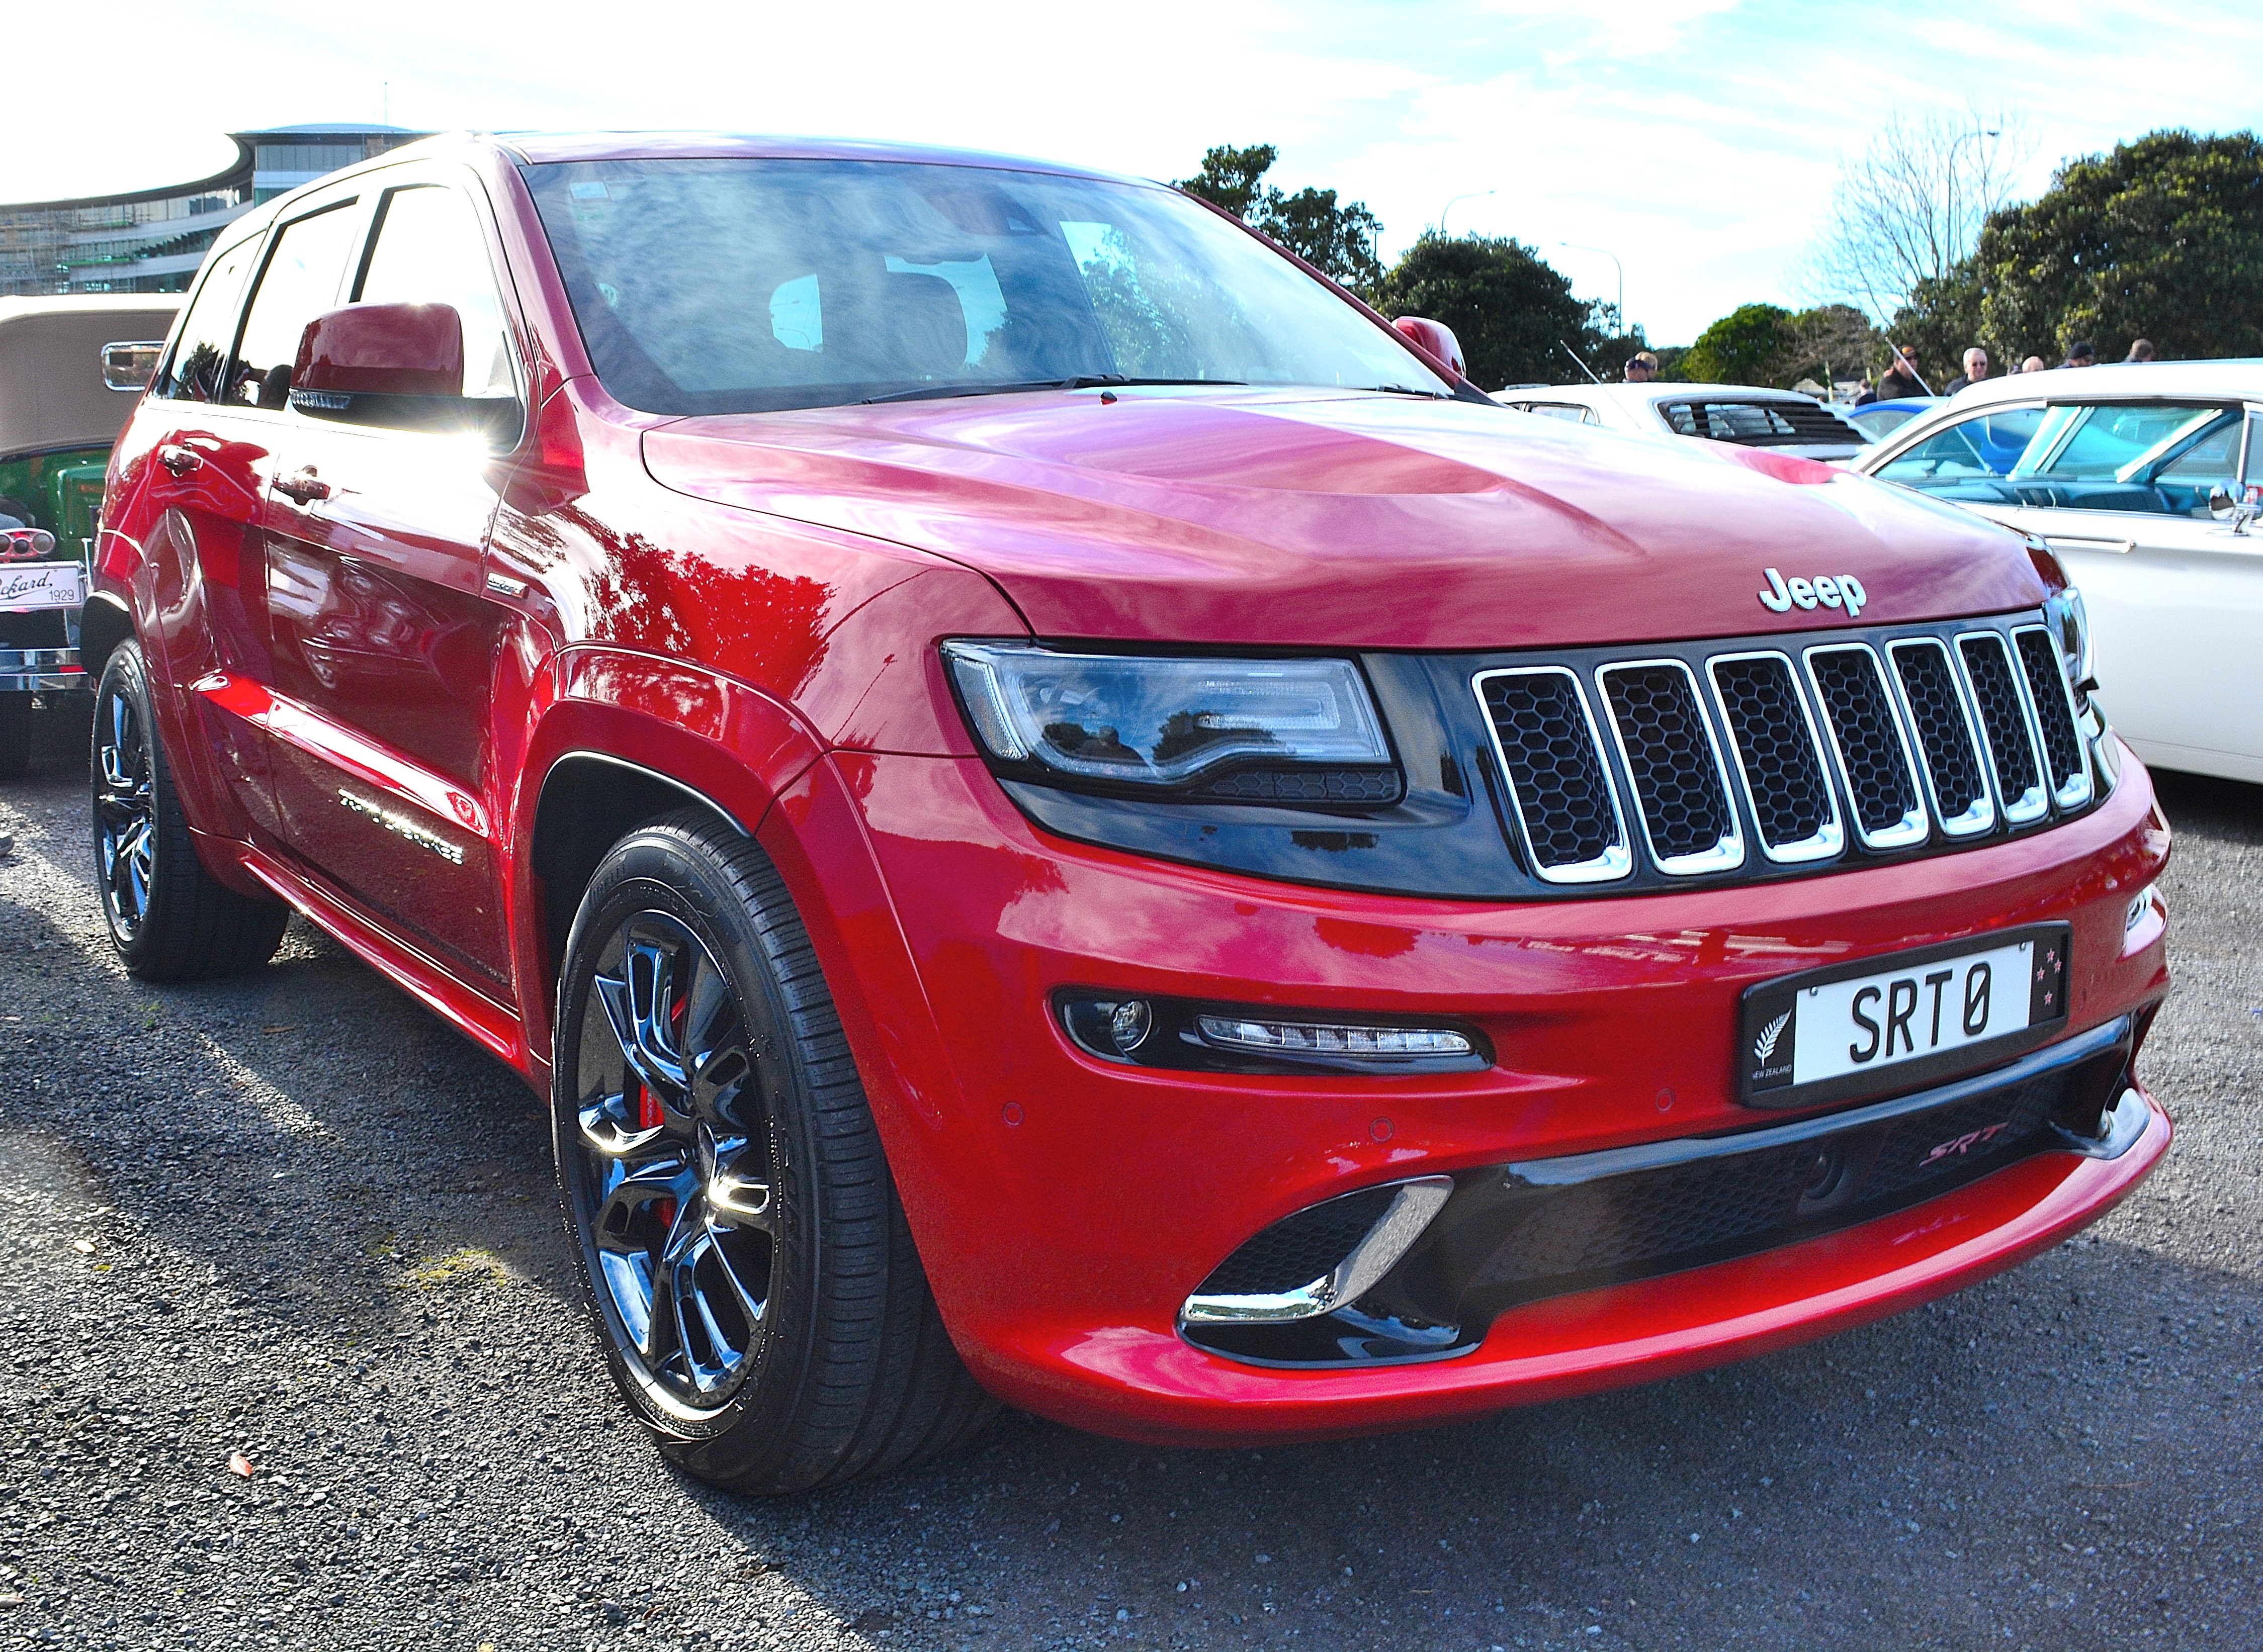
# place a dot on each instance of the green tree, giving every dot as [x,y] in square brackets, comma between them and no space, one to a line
[2161,238]
[1512,313]
[1338,239]
[1746,346]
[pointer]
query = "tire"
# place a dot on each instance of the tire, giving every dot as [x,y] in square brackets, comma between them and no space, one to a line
[170,919]
[15,735]
[746,1262]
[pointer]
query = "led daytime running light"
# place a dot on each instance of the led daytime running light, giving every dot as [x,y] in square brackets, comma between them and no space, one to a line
[1326,1038]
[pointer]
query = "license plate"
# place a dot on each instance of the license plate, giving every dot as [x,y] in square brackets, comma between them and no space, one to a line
[1895,1023]
[41,585]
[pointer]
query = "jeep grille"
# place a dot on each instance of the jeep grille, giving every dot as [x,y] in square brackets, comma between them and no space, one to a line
[1873,742]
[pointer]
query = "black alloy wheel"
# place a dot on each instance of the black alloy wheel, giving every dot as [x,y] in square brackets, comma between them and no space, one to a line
[170,919]
[125,810]
[749,1270]
[681,1162]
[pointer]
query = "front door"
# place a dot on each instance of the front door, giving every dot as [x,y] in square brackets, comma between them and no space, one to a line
[385,641]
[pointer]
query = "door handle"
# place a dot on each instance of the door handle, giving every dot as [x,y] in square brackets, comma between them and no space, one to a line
[302,485]
[178,460]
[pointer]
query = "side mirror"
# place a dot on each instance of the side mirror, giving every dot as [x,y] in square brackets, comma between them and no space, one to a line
[399,365]
[130,365]
[380,350]
[1437,341]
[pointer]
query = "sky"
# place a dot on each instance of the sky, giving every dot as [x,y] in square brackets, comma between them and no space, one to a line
[1696,141]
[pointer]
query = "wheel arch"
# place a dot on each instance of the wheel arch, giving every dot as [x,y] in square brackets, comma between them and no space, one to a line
[590,800]
[103,625]
[616,739]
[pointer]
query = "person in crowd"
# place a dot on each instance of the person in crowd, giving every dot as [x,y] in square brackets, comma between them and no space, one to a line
[1976,369]
[2034,365]
[1639,371]
[2141,350]
[2081,353]
[1901,379]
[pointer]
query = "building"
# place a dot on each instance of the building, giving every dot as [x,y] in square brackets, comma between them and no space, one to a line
[152,240]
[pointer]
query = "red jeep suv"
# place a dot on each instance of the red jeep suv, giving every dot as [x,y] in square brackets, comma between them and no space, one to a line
[1064,813]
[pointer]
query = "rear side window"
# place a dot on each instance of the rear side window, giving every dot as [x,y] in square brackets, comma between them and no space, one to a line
[429,250]
[1758,423]
[194,374]
[1570,410]
[301,280]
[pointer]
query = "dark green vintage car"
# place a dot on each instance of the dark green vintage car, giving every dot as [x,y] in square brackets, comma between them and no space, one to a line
[69,368]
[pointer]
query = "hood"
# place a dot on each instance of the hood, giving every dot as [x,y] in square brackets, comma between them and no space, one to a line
[1324,519]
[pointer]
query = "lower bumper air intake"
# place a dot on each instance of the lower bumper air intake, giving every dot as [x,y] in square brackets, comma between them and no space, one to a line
[1419,1270]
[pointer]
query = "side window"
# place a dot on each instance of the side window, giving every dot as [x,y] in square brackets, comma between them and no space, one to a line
[1986,445]
[429,250]
[300,281]
[1569,410]
[194,373]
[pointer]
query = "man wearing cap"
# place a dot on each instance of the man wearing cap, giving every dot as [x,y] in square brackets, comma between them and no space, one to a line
[2081,353]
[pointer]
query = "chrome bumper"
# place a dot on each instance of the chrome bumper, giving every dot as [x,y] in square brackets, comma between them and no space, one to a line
[41,670]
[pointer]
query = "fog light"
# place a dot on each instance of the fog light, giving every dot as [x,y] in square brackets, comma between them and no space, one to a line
[1128,1025]
[1329,1038]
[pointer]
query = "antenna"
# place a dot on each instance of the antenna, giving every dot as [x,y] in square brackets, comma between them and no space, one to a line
[1576,361]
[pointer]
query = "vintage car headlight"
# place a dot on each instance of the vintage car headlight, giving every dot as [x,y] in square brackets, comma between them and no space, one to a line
[1258,731]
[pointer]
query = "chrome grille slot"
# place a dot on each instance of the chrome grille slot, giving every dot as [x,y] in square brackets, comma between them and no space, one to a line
[1559,789]
[1866,736]
[1779,759]
[2054,708]
[1681,786]
[2004,720]
[1948,739]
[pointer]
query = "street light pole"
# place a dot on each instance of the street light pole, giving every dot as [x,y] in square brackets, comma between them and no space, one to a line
[1575,247]
[1448,206]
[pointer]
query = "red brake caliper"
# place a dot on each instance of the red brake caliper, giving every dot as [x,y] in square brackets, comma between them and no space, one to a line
[648,1114]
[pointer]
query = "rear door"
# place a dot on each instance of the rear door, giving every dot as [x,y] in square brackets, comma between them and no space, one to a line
[204,451]
[2120,490]
[384,640]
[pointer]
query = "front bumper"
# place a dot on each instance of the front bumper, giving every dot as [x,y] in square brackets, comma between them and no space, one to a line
[41,670]
[1066,1207]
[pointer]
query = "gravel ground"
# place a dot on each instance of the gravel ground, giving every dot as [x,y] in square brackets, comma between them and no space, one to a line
[293,1217]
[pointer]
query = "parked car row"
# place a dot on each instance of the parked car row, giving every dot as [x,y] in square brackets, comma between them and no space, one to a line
[1065,814]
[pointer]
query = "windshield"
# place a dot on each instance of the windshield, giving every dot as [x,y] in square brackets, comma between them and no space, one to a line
[745,285]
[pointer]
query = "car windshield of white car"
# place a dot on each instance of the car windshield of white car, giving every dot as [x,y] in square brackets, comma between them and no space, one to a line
[1759,423]
[747,285]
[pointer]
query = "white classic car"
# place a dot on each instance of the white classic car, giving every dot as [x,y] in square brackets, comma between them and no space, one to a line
[1783,419]
[2145,479]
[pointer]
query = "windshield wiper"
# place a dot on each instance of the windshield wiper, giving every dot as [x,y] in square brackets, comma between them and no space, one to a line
[1404,390]
[1082,381]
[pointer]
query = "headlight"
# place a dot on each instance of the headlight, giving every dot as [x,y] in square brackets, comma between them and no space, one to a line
[1256,731]
[2070,625]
